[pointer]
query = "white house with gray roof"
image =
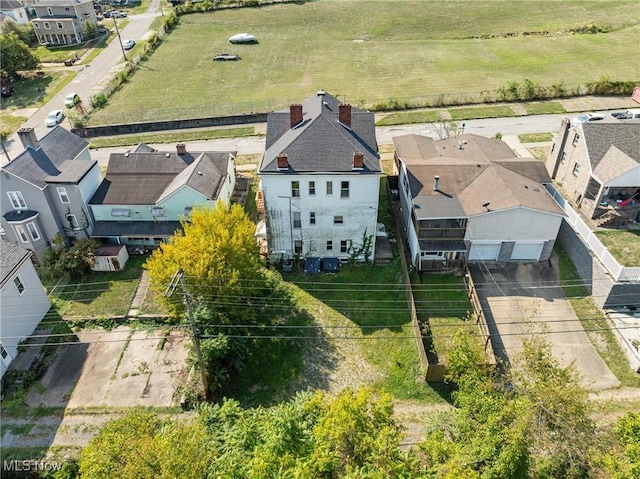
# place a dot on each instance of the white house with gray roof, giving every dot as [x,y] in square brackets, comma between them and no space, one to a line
[146,192]
[23,300]
[320,180]
[45,190]
[598,166]
[470,197]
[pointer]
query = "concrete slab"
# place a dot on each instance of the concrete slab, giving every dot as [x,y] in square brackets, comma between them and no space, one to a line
[519,299]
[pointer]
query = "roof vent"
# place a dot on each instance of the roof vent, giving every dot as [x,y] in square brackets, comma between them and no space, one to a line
[200,173]
[126,155]
[167,155]
[321,93]
[436,182]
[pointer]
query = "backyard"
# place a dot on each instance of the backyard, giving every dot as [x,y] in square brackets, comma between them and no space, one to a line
[624,245]
[434,42]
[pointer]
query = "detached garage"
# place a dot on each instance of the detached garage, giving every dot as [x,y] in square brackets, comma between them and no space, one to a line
[484,252]
[527,251]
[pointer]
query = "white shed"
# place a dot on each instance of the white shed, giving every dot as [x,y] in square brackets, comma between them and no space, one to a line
[111,258]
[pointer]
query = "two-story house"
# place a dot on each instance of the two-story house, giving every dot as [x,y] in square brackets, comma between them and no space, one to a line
[14,10]
[470,197]
[45,190]
[598,166]
[320,179]
[61,22]
[146,193]
[23,300]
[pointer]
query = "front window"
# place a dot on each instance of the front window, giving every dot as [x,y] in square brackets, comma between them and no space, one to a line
[157,211]
[62,193]
[19,286]
[295,189]
[329,188]
[50,10]
[3,352]
[60,25]
[563,157]
[22,234]
[576,137]
[344,189]
[297,222]
[17,201]
[312,218]
[33,231]
[47,25]
[329,245]
[36,25]
[338,220]
[312,188]
[344,246]
[120,212]
[297,247]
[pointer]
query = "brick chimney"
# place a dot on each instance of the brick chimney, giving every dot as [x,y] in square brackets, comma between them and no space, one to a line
[295,114]
[28,138]
[344,114]
[181,149]
[283,162]
[358,160]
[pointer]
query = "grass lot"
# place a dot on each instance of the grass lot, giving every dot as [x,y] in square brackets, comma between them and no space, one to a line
[441,301]
[623,245]
[594,321]
[36,91]
[101,294]
[374,51]
[482,112]
[174,136]
[536,137]
[544,108]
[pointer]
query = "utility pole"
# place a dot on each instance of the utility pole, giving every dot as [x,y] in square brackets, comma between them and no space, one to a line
[179,278]
[124,54]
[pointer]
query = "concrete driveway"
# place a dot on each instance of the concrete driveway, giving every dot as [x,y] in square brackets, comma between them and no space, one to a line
[518,297]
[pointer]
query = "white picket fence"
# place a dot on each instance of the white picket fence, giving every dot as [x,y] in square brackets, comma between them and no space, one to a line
[619,273]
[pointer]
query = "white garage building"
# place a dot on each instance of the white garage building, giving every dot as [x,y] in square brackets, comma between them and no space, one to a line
[471,198]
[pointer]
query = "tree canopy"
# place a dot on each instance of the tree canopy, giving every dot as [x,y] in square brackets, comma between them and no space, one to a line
[16,55]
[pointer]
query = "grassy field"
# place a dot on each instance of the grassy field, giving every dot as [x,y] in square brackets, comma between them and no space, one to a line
[370,51]
[623,245]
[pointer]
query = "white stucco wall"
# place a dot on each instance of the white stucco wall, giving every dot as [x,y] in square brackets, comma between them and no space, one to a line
[359,212]
[20,313]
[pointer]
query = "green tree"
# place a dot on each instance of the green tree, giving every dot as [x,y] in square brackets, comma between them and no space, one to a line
[26,33]
[16,56]
[621,459]
[220,258]
[71,262]
[89,30]
[4,136]
[535,424]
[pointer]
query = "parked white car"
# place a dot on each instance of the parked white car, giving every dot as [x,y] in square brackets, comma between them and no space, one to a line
[71,100]
[53,118]
[128,44]
[587,117]
[243,38]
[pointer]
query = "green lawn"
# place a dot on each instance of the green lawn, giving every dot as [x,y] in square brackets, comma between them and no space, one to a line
[623,245]
[101,294]
[481,112]
[370,52]
[172,137]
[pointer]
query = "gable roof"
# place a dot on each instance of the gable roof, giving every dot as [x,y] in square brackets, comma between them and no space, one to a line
[600,138]
[11,258]
[320,142]
[10,5]
[472,171]
[52,159]
[149,177]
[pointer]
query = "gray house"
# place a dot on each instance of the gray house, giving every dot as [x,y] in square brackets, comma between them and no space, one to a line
[14,10]
[60,22]
[45,190]
[23,300]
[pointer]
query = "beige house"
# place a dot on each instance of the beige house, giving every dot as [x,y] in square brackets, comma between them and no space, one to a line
[60,22]
[598,168]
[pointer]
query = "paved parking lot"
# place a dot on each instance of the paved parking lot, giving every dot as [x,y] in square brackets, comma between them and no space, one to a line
[518,297]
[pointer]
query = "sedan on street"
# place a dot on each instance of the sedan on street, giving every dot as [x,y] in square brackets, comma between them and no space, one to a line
[128,44]
[53,118]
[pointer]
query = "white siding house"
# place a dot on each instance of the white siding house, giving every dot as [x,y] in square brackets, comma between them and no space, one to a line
[23,301]
[320,180]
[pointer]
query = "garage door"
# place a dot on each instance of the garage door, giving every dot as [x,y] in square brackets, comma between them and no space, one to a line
[486,252]
[527,251]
